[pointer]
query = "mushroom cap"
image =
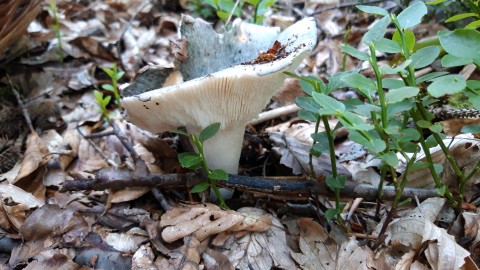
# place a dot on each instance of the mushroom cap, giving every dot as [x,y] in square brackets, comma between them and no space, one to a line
[231,96]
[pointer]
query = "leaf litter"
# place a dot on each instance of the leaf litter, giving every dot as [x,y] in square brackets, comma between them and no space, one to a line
[42,228]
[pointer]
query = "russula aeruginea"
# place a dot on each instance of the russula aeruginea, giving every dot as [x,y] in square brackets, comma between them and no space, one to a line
[230,91]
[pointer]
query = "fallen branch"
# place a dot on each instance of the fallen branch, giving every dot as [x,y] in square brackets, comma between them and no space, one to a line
[294,189]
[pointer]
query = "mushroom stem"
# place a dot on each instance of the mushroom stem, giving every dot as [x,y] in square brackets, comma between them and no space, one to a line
[224,152]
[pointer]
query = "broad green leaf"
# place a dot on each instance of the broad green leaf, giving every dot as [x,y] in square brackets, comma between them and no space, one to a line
[390,158]
[460,17]
[430,76]
[377,31]
[354,122]
[328,103]
[106,100]
[354,52]
[473,84]
[208,132]
[391,83]
[399,94]
[449,60]
[424,124]
[461,43]
[331,213]
[108,87]
[307,103]
[409,39]
[474,129]
[373,145]
[307,115]
[335,81]
[441,190]
[200,187]
[366,109]
[449,84]
[361,82]
[335,182]
[438,168]
[408,134]
[436,128]
[190,160]
[412,15]
[387,46]
[385,69]
[307,86]
[393,109]
[373,10]
[223,15]
[424,56]
[218,175]
[473,25]
[98,96]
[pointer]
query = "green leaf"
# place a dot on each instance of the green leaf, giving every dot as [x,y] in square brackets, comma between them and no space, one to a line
[181,132]
[399,94]
[446,85]
[377,31]
[408,134]
[328,103]
[449,60]
[119,75]
[110,72]
[425,56]
[307,86]
[223,15]
[374,145]
[366,109]
[354,52]
[474,129]
[190,160]
[307,103]
[441,190]
[202,186]
[106,100]
[435,2]
[208,132]
[412,15]
[393,109]
[438,168]
[409,39]
[473,25]
[424,123]
[385,69]
[354,122]
[98,96]
[335,182]
[391,83]
[436,128]
[418,165]
[461,43]
[373,10]
[460,17]
[331,213]
[360,82]
[387,46]
[307,115]
[108,87]
[218,175]
[430,76]
[335,81]
[390,158]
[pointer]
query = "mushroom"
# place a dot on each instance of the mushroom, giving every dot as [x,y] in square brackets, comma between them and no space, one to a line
[227,88]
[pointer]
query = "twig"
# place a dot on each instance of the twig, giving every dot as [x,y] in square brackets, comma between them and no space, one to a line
[294,189]
[231,12]
[98,150]
[275,113]
[20,103]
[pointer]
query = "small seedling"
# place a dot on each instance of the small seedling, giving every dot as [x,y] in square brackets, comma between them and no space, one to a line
[103,102]
[115,76]
[194,161]
[56,27]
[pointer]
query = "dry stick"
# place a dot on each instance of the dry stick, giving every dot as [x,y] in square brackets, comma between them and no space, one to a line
[231,12]
[20,103]
[277,112]
[298,189]
[98,150]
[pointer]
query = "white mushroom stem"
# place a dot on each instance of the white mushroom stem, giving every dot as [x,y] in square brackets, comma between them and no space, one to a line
[223,152]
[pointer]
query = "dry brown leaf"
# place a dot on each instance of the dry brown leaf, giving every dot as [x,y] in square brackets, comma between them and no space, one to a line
[416,227]
[143,259]
[258,250]
[35,156]
[204,220]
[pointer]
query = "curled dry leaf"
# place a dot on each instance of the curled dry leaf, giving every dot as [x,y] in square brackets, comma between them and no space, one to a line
[417,227]
[204,220]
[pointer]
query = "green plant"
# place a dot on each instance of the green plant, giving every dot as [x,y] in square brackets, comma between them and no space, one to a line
[56,27]
[224,9]
[391,104]
[475,13]
[115,76]
[103,102]
[194,161]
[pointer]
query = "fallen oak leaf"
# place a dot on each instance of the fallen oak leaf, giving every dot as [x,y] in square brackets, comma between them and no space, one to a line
[204,220]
